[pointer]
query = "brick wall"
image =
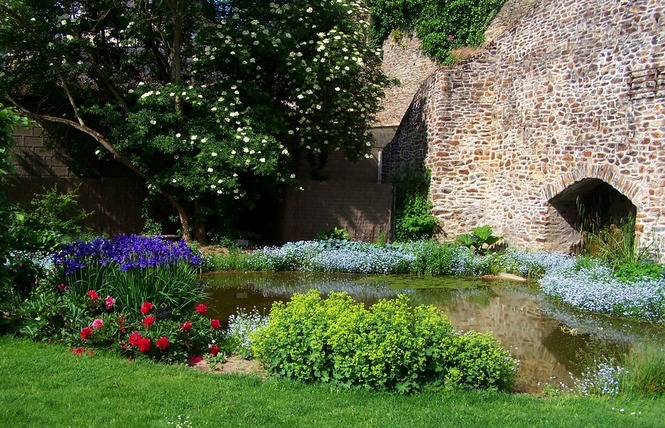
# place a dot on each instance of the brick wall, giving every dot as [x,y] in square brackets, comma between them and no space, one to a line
[574,92]
[115,198]
[361,208]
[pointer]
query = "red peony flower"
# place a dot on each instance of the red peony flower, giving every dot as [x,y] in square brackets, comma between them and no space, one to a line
[195,359]
[186,325]
[201,308]
[148,321]
[110,301]
[86,333]
[93,295]
[97,323]
[134,339]
[163,343]
[214,350]
[215,324]
[78,351]
[145,344]
[62,287]
[146,307]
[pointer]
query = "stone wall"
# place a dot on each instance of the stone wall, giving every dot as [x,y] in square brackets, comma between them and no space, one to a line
[404,62]
[574,92]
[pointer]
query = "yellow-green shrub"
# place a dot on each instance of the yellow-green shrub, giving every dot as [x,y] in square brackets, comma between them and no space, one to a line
[393,345]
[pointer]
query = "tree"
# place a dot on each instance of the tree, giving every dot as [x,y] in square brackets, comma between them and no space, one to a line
[8,120]
[212,102]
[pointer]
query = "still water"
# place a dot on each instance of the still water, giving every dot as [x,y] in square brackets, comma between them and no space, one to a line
[551,341]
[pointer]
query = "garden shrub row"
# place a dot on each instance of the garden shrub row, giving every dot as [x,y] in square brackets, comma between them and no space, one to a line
[137,295]
[390,346]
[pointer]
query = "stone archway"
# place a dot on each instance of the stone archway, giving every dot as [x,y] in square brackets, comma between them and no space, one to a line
[590,205]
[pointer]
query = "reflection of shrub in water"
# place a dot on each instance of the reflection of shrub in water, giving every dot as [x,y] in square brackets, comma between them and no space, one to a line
[361,292]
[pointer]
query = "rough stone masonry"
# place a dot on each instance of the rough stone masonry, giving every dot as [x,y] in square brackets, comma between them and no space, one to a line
[570,98]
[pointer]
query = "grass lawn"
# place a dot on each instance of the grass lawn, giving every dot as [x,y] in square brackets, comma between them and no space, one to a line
[48,386]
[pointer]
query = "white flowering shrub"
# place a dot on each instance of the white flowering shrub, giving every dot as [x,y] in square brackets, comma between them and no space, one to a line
[211,102]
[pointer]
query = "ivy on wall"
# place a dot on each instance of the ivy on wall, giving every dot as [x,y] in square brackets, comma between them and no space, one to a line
[441,25]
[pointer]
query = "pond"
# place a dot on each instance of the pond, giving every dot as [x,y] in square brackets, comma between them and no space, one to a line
[550,340]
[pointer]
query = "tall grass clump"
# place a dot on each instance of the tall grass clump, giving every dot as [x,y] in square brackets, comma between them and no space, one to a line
[441,259]
[234,259]
[133,268]
[644,372]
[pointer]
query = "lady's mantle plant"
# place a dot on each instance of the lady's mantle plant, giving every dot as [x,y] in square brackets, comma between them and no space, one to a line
[392,346]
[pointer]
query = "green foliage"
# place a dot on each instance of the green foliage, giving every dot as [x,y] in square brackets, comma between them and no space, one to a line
[213,102]
[237,337]
[59,314]
[332,233]
[639,270]
[482,239]
[8,120]
[235,259]
[441,25]
[52,218]
[413,210]
[477,361]
[392,346]
[644,373]
[435,259]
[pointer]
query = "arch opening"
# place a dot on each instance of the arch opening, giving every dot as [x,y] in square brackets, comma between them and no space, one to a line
[595,217]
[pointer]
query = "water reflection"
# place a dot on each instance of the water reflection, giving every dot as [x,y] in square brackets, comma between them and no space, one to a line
[549,340]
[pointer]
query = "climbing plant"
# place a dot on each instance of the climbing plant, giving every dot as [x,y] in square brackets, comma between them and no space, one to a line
[413,209]
[441,25]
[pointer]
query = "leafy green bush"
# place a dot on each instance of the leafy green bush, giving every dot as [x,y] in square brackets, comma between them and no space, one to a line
[636,270]
[441,25]
[414,219]
[413,210]
[90,321]
[477,361]
[332,233]
[481,239]
[391,346]
[8,119]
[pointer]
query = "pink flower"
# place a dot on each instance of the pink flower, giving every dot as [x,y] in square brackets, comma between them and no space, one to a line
[134,338]
[78,351]
[93,295]
[186,325]
[148,321]
[86,333]
[214,323]
[98,323]
[110,301]
[201,308]
[214,350]
[62,287]
[146,307]
[144,344]
[163,343]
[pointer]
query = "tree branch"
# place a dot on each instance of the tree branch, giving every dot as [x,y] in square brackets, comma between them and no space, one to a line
[120,157]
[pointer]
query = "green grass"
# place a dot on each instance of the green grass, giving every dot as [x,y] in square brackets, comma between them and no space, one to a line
[47,386]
